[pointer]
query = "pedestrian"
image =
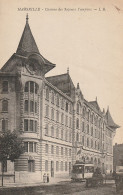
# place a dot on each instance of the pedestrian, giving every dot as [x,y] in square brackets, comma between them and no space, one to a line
[47,178]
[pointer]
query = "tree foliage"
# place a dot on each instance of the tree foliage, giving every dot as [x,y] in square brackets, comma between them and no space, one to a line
[11,146]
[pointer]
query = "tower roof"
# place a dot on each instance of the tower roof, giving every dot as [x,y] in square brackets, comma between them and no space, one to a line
[110,120]
[27,42]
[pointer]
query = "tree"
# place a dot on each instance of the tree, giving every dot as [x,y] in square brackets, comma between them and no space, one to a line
[11,147]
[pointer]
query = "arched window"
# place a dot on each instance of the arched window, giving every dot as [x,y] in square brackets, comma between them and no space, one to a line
[5,106]
[31,87]
[83,126]
[91,160]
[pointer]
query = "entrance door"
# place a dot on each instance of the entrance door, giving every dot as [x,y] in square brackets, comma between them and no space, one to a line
[52,169]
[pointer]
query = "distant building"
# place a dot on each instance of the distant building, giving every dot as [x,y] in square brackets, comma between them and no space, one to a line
[57,124]
[118,155]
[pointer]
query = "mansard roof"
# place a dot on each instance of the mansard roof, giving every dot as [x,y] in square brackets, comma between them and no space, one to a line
[63,82]
[95,105]
[110,120]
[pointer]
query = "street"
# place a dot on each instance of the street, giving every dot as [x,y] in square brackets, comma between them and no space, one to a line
[62,188]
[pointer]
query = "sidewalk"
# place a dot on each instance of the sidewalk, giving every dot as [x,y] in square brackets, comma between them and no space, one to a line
[52,182]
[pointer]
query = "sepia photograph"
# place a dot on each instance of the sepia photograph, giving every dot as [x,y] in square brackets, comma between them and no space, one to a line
[61,97]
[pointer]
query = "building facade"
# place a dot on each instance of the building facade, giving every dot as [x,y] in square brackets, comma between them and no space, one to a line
[57,124]
[117,156]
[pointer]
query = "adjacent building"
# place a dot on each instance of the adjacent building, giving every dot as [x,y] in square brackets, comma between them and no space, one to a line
[57,124]
[117,156]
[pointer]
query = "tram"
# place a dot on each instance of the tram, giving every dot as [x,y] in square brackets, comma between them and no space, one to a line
[82,171]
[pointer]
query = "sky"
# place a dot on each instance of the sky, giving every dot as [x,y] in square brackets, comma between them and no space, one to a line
[85,36]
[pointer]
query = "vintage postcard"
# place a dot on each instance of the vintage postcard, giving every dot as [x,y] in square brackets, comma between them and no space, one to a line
[61,92]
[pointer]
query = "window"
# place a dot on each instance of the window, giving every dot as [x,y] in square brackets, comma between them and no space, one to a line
[52,113]
[31,165]
[95,133]
[57,166]
[57,150]
[4,125]
[77,137]
[5,86]
[66,120]
[35,107]
[69,152]
[52,98]
[66,135]
[57,100]
[62,118]
[91,143]
[66,107]
[31,87]
[31,106]
[62,103]
[83,140]
[26,106]
[83,126]
[5,106]
[47,93]
[65,166]
[70,136]
[30,146]
[87,128]
[46,165]
[57,116]
[61,150]
[65,151]
[57,133]
[83,112]
[61,165]
[46,129]
[4,166]
[77,123]
[87,142]
[47,111]
[52,149]
[91,131]
[25,146]
[70,107]
[77,108]
[88,115]
[30,125]
[46,148]
[27,87]
[62,134]
[52,131]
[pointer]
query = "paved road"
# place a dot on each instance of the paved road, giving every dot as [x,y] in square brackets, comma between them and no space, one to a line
[61,188]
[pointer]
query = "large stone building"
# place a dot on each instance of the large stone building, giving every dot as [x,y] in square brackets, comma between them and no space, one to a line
[57,124]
